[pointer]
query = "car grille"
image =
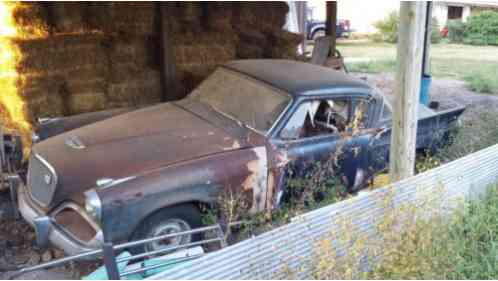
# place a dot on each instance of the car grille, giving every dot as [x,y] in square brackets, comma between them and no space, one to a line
[42,180]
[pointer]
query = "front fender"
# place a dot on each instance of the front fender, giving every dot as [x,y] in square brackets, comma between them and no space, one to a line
[126,205]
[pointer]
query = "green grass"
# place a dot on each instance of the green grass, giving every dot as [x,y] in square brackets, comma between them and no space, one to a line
[483,80]
[374,66]
[477,65]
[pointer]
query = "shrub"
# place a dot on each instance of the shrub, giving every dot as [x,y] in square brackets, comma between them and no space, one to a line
[456,31]
[482,29]
[435,33]
[388,28]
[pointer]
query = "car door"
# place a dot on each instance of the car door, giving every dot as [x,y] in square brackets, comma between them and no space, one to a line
[312,135]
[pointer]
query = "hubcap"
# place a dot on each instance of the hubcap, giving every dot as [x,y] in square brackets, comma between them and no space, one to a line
[168,227]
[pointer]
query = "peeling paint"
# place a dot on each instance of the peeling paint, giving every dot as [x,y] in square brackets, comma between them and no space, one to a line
[258,179]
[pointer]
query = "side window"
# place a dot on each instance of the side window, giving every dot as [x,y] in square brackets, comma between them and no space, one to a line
[386,111]
[320,117]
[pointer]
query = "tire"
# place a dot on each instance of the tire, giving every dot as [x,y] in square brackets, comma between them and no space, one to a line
[318,33]
[168,220]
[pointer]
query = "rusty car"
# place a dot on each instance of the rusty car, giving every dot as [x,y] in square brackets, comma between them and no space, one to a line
[150,171]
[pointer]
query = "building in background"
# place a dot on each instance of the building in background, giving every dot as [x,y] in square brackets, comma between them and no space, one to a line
[460,10]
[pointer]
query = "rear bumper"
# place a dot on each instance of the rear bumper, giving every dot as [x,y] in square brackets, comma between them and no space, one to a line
[48,231]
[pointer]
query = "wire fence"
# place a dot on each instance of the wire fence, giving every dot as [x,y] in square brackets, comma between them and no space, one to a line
[289,248]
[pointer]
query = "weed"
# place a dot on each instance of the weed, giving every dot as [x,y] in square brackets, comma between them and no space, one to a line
[426,162]
[462,248]
[416,240]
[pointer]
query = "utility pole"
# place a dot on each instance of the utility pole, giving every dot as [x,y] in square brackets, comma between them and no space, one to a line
[407,89]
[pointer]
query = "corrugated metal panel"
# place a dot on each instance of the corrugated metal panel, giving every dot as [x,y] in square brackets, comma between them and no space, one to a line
[268,255]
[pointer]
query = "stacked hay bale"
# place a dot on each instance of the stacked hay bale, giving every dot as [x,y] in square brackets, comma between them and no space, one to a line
[259,26]
[93,56]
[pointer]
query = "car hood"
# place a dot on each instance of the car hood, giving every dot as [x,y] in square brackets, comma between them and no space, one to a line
[131,144]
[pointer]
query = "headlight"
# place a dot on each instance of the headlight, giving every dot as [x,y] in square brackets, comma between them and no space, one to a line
[93,205]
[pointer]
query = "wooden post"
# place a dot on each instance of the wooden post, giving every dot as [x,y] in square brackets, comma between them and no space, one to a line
[407,91]
[167,60]
[426,66]
[331,25]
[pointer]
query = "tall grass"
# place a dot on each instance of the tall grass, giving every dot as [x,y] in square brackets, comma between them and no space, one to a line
[472,135]
[464,248]
[409,245]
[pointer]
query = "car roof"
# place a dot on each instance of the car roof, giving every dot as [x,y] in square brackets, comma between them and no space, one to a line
[298,78]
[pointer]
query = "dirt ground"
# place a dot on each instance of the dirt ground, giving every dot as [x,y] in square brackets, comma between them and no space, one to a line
[17,239]
[18,248]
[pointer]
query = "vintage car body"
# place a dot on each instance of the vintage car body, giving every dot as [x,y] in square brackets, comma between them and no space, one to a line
[112,176]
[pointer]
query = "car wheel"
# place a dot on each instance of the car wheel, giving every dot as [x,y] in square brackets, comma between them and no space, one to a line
[317,34]
[167,221]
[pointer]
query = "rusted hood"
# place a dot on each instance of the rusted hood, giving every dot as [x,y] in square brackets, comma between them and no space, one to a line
[131,144]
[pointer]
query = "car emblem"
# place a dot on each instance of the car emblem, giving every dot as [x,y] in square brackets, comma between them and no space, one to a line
[48,179]
[74,142]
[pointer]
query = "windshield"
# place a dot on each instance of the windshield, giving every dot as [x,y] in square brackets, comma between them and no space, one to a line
[245,100]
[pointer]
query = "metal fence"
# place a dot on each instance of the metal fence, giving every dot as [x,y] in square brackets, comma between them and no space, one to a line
[215,233]
[271,254]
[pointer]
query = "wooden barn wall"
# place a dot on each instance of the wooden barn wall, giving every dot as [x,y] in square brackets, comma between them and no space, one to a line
[99,56]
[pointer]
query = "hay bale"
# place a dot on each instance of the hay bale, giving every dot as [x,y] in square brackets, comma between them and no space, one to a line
[249,51]
[77,86]
[60,52]
[123,72]
[251,36]
[145,89]
[33,86]
[262,15]
[283,45]
[99,16]
[134,17]
[191,13]
[205,54]
[86,102]
[66,17]
[140,50]
[219,16]
[31,19]
[45,106]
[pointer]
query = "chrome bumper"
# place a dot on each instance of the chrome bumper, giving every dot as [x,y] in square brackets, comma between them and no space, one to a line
[47,230]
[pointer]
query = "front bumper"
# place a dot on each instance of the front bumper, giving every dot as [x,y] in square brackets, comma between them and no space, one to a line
[47,229]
